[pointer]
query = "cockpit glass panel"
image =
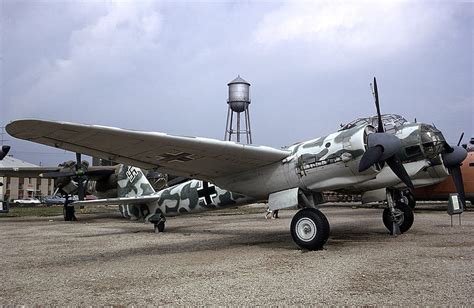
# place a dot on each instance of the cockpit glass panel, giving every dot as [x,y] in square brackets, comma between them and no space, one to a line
[432,140]
[390,121]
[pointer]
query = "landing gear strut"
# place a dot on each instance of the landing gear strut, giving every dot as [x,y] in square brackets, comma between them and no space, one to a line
[398,216]
[310,229]
[406,196]
[159,222]
[68,211]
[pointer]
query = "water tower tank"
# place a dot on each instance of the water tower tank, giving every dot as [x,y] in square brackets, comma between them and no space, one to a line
[239,94]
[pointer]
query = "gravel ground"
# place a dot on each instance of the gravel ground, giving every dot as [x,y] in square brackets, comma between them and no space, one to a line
[235,259]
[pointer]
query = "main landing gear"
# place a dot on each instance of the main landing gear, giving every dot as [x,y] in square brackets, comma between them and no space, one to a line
[158,221]
[398,216]
[310,229]
[406,196]
[69,211]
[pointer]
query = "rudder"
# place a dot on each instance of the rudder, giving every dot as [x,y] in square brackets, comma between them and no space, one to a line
[132,182]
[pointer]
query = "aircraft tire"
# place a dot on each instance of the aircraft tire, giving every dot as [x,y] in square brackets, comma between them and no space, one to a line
[160,227]
[406,217]
[310,229]
[411,199]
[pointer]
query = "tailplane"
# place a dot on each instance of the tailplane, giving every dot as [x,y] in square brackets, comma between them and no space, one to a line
[132,182]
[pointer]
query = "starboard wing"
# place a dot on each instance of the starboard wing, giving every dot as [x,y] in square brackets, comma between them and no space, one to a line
[192,157]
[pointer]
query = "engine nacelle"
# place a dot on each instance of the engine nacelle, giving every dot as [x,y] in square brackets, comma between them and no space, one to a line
[317,165]
[332,162]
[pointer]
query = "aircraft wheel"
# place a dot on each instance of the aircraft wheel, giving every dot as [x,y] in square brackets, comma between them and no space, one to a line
[411,199]
[310,229]
[160,227]
[403,216]
[69,213]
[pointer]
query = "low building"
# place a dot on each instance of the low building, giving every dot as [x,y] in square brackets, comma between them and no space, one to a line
[21,180]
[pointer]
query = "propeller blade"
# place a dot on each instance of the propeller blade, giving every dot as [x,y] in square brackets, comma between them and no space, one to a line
[98,173]
[397,167]
[80,189]
[447,148]
[80,179]
[458,182]
[78,161]
[370,157]
[380,128]
[4,151]
[460,138]
[57,174]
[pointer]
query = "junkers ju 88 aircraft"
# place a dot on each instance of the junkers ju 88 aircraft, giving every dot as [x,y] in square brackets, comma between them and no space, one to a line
[361,158]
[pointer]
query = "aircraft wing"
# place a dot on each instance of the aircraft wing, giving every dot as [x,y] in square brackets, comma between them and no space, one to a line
[25,172]
[117,201]
[192,157]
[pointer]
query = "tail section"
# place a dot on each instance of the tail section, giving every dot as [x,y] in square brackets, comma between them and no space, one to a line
[132,182]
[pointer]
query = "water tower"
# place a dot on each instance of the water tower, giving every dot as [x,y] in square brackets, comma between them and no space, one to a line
[238,102]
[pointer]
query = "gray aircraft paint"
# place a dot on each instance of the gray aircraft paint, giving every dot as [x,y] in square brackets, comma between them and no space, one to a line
[189,197]
[320,164]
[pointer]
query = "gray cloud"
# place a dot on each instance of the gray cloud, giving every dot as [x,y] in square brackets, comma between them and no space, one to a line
[163,66]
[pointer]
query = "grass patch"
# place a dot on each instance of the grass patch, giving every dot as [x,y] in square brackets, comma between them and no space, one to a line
[38,211]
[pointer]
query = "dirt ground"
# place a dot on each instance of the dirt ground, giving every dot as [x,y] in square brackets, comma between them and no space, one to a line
[235,258]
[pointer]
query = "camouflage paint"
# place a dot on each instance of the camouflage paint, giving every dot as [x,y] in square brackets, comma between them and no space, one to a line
[189,197]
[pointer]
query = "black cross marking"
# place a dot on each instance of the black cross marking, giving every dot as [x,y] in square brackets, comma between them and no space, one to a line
[178,157]
[207,192]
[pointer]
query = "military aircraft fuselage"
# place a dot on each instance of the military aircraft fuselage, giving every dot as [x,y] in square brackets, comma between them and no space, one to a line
[331,163]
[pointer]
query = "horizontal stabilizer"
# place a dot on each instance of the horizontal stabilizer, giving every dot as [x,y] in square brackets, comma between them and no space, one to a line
[117,201]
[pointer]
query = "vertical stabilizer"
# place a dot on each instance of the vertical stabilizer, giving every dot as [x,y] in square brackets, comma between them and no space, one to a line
[132,182]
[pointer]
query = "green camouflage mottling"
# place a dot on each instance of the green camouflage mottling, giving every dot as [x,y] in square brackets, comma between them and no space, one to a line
[133,182]
[327,150]
[325,163]
[316,143]
[192,197]
[188,197]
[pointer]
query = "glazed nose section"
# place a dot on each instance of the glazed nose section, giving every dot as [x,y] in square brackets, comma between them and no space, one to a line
[432,140]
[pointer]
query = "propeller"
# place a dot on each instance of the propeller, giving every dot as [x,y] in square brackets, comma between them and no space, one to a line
[4,151]
[80,177]
[89,174]
[383,147]
[78,174]
[452,159]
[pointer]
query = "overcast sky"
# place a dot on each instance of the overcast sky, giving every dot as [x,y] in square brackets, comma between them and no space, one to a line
[164,66]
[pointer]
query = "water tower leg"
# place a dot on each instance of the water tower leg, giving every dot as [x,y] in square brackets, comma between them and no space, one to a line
[249,131]
[238,126]
[230,125]
[246,127]
[227,124]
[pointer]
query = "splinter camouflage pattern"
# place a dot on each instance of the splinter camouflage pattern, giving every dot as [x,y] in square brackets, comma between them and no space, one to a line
[189,197]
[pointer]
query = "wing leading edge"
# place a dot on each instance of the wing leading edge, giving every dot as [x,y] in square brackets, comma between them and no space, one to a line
[193,157]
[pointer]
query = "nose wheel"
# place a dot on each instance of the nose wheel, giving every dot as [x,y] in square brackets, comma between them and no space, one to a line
[310,229]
